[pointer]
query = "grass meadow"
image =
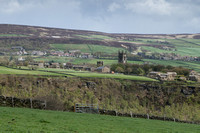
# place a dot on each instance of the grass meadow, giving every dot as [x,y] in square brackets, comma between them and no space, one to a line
[5,70]
[191,65]
[80,60]
[86,48]
[95,37]
[12,35]
[32,120]
[69,73]
[115,76]
[185,47]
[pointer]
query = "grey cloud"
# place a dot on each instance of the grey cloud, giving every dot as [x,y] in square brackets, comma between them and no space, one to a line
[130,16]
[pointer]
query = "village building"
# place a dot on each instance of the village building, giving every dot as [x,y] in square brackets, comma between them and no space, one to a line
[193,73]
[38,53]
[99,63]
[21,59]
[86,56]
[154,74]
[103,69]
[68,65]
[47,65]
[163,76]
[83,68]
[39,65]
[182,78]
[73,51]
[194,76]
[54,65]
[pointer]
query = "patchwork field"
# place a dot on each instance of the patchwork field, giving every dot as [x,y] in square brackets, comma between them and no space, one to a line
[190,65]
[95,37]
[12,35]
[32,120]
[80,60]
[86,48]
[184,47]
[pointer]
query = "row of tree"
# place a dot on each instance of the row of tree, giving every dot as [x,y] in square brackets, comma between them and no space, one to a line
[146,68]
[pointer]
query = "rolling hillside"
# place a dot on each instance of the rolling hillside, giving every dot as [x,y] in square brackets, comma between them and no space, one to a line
[32,37]
[176,47]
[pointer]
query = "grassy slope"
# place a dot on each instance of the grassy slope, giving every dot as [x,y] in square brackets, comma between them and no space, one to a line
[117,76]
[12,35]
[87,48]
[5,70]
[98,37]
[190,65]
[29,120]
[99,75]
[185,47]
[64,72]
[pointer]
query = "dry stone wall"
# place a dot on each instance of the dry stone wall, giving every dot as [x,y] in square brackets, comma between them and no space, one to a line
[27,103]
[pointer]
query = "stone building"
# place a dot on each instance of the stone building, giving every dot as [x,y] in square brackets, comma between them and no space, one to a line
[122,57]
[163,76]
[99,63]
[194,76]
[103,69]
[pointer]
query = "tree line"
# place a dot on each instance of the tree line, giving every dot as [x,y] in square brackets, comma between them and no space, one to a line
[144,69]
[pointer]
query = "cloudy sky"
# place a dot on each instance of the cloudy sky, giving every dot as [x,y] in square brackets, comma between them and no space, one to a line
[112,16]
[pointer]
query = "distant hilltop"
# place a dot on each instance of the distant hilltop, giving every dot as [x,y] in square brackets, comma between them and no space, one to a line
[37,31]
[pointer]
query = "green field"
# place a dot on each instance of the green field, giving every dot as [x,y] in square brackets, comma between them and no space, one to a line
[33,120]
[70,73]
[80,60]
[12,35]
[98,75]
[185,47]
[95,37]
[86,48]
[190,65]
[115,76]
[5,70]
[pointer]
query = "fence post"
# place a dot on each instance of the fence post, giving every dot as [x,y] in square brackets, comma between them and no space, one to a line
[45,104]
[116,112]
[164,117]
[131,114]
[174,119]
[147,116]
[31,103]
[12,102]
[74,107]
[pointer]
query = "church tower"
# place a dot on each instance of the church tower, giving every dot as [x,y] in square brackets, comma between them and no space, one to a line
[122,57]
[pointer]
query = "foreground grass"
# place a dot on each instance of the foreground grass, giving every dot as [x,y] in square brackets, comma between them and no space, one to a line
[30,120]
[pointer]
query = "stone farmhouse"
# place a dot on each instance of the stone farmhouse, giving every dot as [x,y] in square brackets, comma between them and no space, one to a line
[194,76]
[103,69]
[163,76]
